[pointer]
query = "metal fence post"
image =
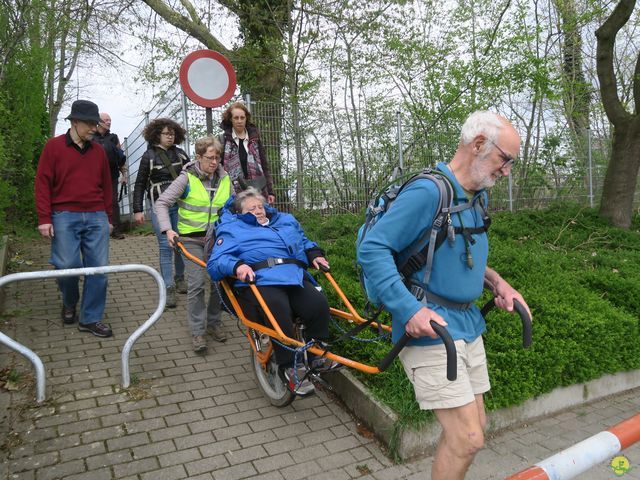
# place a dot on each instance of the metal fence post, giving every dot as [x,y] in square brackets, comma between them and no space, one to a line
[399,137]
[247,101]
[185,121]
[146,205]
[590,160]
[510,184]
[128,179]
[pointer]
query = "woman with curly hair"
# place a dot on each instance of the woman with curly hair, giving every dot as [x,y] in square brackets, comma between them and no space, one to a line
[159,166]
[244,156]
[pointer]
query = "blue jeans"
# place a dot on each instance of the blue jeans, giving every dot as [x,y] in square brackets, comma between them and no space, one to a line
[81,239]
[167,255]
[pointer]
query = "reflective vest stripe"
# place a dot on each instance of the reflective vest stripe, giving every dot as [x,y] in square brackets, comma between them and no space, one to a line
[199,226]
[193,208]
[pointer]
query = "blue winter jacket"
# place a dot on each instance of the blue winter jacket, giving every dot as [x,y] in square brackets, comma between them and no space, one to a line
[241,239]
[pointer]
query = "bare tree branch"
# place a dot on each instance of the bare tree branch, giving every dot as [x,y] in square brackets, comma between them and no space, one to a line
[606,36]
[192,26]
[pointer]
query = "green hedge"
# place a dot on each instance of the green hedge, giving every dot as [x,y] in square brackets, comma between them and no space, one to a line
[24,120]
[581,279]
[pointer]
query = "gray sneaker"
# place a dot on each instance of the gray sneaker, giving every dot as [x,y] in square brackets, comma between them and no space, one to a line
[324,364]
[217,333]
[181,284]
[199,344]
[298,381]
[171,297]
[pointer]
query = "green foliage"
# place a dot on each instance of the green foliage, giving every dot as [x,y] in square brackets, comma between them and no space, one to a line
[581,279]
[23,117]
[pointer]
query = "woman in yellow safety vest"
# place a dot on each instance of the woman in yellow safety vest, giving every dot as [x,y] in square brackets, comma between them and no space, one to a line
[201,189]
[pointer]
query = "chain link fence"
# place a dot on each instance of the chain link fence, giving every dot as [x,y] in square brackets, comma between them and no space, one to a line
[333,160]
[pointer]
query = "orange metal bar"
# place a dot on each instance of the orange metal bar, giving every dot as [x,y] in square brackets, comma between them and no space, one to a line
[353,314]
[263,356]
[627,431]
[276,332]
[343,297]
[193,258]
[348,317]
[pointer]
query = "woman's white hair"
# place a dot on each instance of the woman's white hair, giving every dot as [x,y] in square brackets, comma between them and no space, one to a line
[250,192]
[483,123]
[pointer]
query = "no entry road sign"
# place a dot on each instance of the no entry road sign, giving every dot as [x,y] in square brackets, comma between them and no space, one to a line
[207,78]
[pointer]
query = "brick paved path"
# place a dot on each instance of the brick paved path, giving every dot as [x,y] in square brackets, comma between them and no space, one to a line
[203,417]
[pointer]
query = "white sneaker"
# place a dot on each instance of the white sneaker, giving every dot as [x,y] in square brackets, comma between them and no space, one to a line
[298,381]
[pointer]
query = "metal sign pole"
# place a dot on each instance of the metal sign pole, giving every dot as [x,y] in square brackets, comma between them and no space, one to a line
[209,115]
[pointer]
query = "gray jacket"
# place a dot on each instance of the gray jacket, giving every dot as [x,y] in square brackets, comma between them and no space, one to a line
[174,191]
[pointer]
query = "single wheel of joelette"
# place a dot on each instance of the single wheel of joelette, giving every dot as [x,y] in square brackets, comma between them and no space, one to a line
[271,383]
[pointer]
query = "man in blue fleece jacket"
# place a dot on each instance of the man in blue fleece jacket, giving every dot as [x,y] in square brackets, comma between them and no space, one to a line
[487,150]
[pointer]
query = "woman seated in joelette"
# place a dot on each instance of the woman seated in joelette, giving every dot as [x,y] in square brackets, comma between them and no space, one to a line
[250,237]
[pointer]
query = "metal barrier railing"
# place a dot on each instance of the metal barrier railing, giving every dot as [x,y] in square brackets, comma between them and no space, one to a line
[75,272]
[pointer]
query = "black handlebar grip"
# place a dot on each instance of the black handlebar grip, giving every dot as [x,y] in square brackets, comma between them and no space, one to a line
[487,307]
[450,347]
[524,318]
[526,323]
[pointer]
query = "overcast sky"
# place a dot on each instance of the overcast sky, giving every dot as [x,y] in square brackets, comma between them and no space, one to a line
[114,91]
[114,88]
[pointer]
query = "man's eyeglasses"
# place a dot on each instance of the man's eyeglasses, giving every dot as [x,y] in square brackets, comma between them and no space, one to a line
[168,134]
[507,160]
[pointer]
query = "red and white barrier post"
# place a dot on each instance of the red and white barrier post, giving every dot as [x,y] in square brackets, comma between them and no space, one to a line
[582,456]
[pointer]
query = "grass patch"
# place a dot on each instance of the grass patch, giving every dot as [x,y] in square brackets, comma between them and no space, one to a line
[13,380]
[580,276]
[145,229]
[139,389]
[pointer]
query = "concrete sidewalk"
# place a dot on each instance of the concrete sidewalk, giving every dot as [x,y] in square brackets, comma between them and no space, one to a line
[202,416]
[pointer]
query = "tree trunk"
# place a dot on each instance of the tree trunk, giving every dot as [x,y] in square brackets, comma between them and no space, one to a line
[576,91]
[622,175]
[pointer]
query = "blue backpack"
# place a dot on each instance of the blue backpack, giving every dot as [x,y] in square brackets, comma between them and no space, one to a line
[440,230]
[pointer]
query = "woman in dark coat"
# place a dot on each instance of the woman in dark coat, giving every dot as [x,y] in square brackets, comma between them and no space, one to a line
[159,166]
[244,156]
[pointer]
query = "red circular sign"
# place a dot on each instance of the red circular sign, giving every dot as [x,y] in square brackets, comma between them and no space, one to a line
[207,78]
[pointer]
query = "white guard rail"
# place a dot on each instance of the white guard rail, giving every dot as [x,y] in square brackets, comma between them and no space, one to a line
[75,272]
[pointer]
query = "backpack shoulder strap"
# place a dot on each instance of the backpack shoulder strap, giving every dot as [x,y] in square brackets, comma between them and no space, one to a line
[167,163]
[434,235]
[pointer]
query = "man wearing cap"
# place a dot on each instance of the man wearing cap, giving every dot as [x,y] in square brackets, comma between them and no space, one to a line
[73,200]
[111,144]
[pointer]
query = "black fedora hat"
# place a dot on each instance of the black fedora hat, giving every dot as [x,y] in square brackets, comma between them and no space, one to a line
[85,111]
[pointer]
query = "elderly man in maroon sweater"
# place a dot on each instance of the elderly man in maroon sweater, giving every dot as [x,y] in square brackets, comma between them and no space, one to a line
[73,200]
